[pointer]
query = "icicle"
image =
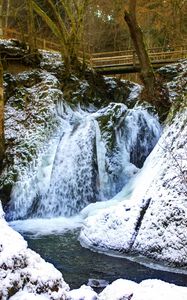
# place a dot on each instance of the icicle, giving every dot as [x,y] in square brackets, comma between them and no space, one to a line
[102,174]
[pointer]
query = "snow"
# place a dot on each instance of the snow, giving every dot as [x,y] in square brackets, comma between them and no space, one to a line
[156,289]
[135,92]
[83,293]
[111,82]
[150,289]
[119,289]
[177,86]
[21,269]
[28,296]
[114,230]
[162,234]
[153,221]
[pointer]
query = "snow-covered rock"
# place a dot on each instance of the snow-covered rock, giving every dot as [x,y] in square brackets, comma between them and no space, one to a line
[153,289]
[153,221]
[176,77]
[83,293]
[115,229]
[30,119]
[28,296]
[162,234]
[23,272]
[118,290]
[150,289]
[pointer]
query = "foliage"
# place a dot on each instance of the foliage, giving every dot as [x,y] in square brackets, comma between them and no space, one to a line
[162,22]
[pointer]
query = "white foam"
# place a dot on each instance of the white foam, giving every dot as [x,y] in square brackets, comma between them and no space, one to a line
[38,227]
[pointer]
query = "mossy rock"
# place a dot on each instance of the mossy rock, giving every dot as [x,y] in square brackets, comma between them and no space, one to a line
[169,72]
[179,105]
[109,121]
[8,178]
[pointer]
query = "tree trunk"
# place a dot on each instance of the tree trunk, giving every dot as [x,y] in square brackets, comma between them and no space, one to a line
[147,74]
[155,92]
[34,54]
[31,27]
[2,141]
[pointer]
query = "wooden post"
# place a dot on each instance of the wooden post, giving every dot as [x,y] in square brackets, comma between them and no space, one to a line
[134,58]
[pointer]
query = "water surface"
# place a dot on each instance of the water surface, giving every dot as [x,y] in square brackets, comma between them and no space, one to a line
[79,264]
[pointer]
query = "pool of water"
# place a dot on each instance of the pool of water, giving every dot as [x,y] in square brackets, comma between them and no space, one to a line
[79,264]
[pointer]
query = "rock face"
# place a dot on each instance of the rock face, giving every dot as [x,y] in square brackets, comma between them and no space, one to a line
[153,221]
[31,113]
[162,233]
[29,121]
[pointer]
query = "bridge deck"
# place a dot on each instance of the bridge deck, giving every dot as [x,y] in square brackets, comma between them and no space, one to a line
[119,63]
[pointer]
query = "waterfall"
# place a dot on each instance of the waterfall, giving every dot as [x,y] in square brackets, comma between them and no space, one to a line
[93,156]
[73,178]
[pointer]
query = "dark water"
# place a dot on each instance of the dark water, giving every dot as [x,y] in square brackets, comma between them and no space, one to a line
[78,264]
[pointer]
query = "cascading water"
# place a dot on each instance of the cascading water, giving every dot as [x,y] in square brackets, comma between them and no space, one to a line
[93,157]
[73,179]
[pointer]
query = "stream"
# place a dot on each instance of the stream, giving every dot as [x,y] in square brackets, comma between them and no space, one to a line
[79,264]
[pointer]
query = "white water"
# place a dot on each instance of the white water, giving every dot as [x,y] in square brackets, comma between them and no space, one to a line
[78,168]
[72,184]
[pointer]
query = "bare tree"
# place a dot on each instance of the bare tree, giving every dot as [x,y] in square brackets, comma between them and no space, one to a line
[66,21]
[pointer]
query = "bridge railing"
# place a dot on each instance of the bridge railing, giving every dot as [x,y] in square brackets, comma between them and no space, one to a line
[130,57]
[41,43]
[102,59]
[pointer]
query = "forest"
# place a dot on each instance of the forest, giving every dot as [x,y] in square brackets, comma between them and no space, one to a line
[99,25]
[93,149]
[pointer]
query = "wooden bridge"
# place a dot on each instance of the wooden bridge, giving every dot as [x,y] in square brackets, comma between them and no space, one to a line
[117,62]
[121,62]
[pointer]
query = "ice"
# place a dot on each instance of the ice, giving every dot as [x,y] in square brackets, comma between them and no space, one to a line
[40,227]
[152,220]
